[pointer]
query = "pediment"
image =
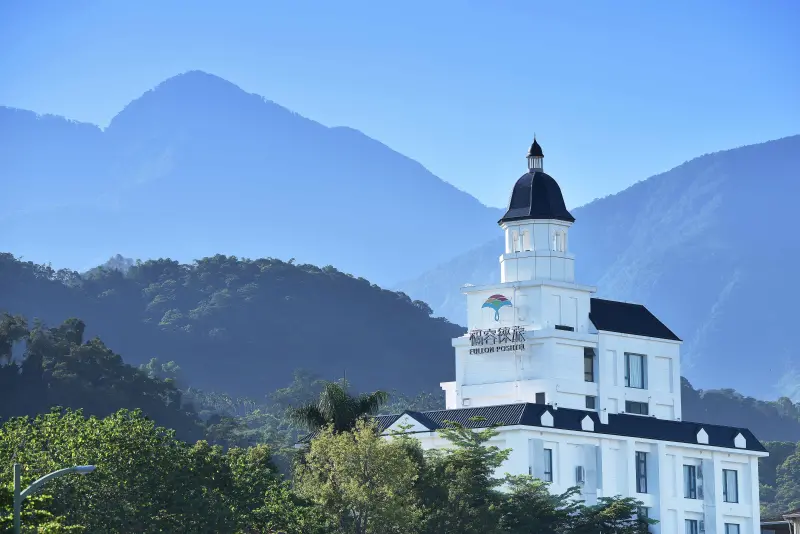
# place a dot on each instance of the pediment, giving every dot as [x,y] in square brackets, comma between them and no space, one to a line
[408,421]
[547,418]
[587,424]
[702,437]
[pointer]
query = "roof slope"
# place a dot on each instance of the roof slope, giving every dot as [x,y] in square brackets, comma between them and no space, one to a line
[529,414]
[627,318]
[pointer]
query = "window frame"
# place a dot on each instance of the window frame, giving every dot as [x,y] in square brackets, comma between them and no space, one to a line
[543,397]
[593,402]
[726,493]
[691,526]
[628,404]
[643,377]
[729,529]
[589,358]
[548,462]
[690,481]
[641,472]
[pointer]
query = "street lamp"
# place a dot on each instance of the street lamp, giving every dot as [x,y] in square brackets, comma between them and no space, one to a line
[19,496]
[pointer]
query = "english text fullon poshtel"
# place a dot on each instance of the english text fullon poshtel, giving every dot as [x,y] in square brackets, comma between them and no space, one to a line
[502,348]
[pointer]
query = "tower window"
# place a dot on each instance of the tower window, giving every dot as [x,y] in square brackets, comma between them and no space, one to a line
[635,371]
[540,398]
[730,485]
[548,465]
[588,364]
[641,472]
[638,408]
[690,481]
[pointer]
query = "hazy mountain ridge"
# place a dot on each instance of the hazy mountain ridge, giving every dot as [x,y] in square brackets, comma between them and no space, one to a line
[702,245]
[266,180]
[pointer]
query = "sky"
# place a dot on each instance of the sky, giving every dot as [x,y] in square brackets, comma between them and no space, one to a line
[615,91]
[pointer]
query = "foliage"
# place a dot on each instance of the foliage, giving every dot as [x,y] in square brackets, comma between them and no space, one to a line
[466,503]
[57,368]
[146,480]
[338,408]
[267,317]
[779,475]
[361,482]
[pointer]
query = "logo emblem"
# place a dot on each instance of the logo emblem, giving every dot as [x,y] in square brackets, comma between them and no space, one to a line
[496,302]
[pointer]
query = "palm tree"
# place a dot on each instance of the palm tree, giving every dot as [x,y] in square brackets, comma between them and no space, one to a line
[338,408]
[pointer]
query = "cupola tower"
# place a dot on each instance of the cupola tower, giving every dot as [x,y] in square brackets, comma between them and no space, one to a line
[536,226]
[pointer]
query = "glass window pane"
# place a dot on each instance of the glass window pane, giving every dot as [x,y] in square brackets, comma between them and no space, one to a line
[636,371]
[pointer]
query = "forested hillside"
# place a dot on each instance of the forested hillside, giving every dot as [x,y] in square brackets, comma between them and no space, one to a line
[244,326]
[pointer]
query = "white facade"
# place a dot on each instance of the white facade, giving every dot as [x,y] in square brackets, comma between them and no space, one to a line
[530,339]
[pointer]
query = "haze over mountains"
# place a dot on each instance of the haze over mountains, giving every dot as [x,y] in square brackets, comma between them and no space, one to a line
[197,167]
[711,247]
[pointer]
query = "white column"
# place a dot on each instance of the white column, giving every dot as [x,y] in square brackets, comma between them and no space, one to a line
[755,505]
[629,449]
[679,508]
[676,388]
[661,477]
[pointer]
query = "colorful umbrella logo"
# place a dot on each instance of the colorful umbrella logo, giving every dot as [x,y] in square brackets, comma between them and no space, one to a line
[496,302]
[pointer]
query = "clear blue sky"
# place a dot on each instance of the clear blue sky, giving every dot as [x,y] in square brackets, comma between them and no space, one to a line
[615,90]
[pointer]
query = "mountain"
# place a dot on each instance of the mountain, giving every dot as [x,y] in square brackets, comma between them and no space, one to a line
[244,326]
[711,247]
[197,166]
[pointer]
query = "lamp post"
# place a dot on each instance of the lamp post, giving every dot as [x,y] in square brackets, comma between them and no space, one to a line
[20,494]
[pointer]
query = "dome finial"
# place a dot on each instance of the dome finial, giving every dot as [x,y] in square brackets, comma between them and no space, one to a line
[535,156]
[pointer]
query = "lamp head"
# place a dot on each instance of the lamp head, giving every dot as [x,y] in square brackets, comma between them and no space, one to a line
[84,469]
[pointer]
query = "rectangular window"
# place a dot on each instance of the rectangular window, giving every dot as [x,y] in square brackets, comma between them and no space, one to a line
[588,364]
[730,485]
[732,528]
[548,465]
[635,371]
[692,526]
[642,512]
[638,408]
[641,472]
[690,481]
[591,402]
[539,398]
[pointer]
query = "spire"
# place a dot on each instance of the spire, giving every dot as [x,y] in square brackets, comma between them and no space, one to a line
[535,157]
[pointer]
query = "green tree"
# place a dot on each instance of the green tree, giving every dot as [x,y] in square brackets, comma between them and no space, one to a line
[337,408]
[362,483]
[787,494]
[612,516]
[461,492]
[530,507]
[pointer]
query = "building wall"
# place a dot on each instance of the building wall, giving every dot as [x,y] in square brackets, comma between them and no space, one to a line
[663,377]
[552,362]
[610,470]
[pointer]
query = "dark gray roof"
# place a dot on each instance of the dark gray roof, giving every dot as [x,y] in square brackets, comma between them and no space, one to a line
[536,195]
[535,150]
[529,414]
[626,318]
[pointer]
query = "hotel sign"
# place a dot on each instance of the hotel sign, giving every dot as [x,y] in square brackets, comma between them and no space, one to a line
[497,340]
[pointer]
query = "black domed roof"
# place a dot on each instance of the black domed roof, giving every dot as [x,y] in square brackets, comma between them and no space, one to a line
[536,150]
[536,195]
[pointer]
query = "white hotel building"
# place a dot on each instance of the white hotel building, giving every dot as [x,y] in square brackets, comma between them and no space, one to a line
[587,391]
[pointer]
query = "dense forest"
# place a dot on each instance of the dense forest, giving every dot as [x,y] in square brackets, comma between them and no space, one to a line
[244,326]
